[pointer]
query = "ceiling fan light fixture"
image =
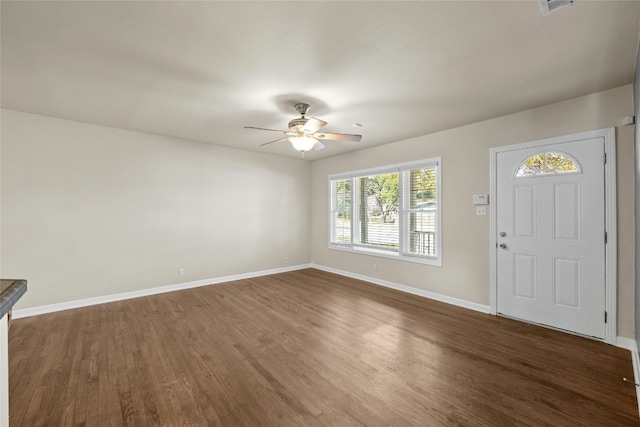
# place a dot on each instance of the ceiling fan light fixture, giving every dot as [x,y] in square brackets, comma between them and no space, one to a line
[303,132]
[302,143]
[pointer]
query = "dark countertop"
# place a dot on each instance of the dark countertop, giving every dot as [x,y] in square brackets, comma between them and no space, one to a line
[11,290]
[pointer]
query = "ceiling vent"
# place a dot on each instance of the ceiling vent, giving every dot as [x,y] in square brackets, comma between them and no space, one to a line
[549,6]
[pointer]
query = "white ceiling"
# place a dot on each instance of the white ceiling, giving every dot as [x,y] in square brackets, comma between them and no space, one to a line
[203,70]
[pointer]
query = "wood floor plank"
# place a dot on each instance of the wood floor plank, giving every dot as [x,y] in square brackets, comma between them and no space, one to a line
[307,348]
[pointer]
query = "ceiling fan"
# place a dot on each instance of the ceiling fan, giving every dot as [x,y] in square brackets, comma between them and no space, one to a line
[303,132]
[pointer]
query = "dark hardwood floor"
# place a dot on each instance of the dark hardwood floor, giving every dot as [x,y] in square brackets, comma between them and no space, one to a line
[307,348]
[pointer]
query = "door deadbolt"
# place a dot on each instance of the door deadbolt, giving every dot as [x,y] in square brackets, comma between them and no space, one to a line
[503,234]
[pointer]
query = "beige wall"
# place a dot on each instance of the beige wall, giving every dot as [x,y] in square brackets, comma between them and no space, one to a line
[465,171]
[90,211]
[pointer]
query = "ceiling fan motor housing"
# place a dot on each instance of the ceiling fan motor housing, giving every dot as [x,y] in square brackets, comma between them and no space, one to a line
[298,124]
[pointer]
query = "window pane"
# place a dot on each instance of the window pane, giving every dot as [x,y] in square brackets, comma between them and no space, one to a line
[341,211]
[547,164]
[536,162]
[525,170]
[567,166]
[554,159]
[421,217]
[422,233]
[378,221]
[422,188]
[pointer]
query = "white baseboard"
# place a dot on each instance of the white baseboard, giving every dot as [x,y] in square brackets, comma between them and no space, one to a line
[628,343]
[632,346]
[50,308]
[408,289]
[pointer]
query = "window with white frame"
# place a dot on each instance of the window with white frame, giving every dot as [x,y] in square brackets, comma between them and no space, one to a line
[392,211]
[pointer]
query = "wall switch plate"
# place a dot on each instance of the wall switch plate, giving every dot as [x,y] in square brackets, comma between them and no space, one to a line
[481,210]
[480,199]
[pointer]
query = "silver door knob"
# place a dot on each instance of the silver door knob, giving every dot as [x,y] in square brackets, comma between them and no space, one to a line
[503,246]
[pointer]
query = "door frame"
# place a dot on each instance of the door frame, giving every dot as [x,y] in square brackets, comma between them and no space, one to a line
[610,219]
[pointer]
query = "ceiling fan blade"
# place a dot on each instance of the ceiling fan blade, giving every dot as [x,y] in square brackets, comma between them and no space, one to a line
[313,125]
[338,136]
[270,130]
[319,146]
[271,142]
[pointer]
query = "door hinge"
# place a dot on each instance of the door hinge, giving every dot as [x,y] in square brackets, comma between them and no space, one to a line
[605,237]
[605,317]
[605,158]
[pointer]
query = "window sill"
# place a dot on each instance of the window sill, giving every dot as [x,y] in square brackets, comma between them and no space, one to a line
[434,261]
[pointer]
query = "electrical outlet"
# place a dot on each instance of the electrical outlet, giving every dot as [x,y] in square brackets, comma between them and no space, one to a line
[181,272]
[481,210]
[286,260]
[375,267]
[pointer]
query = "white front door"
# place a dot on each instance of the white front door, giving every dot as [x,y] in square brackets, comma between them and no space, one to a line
[550,219]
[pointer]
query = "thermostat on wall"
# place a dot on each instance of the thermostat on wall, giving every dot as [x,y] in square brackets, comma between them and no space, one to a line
[480,199]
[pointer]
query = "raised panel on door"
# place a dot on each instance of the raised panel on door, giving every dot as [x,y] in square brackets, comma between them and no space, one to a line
[566,211]
[567,284]
[524,211]
[524,277]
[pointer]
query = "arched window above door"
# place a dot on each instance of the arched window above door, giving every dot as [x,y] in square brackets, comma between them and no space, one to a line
[547,163]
